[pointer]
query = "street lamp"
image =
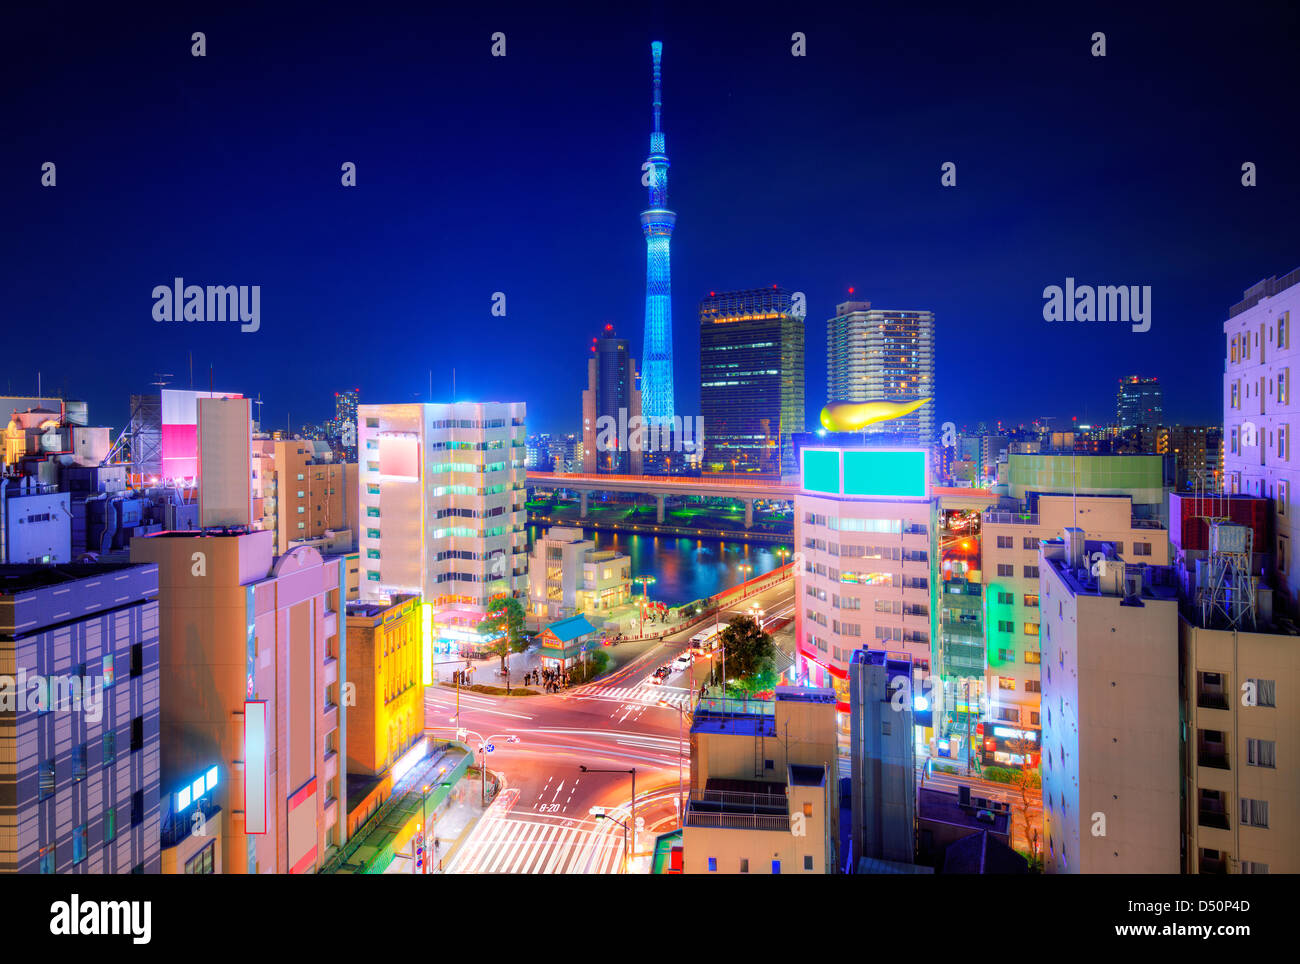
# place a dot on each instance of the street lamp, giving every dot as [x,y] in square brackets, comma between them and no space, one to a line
[646,582]
[632,771]
[600,814]
[424,816]
[757,614]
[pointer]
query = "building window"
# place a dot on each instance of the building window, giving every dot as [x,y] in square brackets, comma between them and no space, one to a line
[110,824]
[137,808]
[1031,572]
[1006,598]
[1254,813]
[1253,867]
[137,734]
[1261,753]
[1004,542]
[137,659]
[807,862]
[1006,626]
[46,780]
[713,864]
[47,860]
[1033,686]
[1031,629]
[1284,386]
[1141,548]
[1006,683]
[1030,542]
[744,865]
[1265,691]
[1006,571]
[79,763]
[776,866]
[1033,656]
[108,671]
[79,843]
[202,862]
[1031,600]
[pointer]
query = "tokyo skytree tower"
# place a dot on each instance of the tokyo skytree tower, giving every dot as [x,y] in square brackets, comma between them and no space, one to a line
[657,224]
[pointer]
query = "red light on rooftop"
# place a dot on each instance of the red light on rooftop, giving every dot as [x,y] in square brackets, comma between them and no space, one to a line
[850,290]
[609,327]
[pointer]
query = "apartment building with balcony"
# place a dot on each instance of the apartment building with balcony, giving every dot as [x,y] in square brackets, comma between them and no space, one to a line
[303,496]
[1240,670]
[764,792]
[865,535]
[1110,770]
[1261,363]
[442,509]
[568,576]
[1012,618]
[253,657]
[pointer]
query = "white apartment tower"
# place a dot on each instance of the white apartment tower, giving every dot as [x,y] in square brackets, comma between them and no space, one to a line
[875,355]
[442,507]
[1259,411]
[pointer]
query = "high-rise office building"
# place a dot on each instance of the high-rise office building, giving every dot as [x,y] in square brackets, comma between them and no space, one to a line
[1110,738]
[1139,402]
[79,781]
[1259,413]
[862,520]
[1198,455]
[611,392]
[751,380]
[442,508]
[879,355]
[343,428]
[657,224]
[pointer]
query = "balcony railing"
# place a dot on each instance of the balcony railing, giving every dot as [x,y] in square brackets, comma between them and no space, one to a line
[1213,818]
[1217,759]
[738,821]
[994,517]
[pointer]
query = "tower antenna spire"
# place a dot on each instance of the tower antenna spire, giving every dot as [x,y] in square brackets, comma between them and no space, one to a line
[657,51]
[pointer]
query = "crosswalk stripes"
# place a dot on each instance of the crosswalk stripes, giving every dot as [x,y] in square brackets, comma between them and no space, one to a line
[645,694]
[508,845]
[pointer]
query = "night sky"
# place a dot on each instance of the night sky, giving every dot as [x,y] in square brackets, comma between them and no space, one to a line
[522,175]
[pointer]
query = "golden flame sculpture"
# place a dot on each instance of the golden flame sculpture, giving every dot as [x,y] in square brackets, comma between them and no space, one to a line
[852,416]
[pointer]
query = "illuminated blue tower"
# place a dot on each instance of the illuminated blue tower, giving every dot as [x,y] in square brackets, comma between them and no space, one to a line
[657,224]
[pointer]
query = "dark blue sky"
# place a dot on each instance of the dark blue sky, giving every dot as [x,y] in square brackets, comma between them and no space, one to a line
[522,175]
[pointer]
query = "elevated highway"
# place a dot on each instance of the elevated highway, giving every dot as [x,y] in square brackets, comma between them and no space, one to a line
[744,489]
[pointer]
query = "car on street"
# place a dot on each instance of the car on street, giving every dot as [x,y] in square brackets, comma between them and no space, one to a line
[683,661]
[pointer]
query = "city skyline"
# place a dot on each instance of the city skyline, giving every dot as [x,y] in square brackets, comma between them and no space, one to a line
[92,250]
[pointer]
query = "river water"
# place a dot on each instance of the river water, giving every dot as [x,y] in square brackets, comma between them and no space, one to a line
[686,569]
